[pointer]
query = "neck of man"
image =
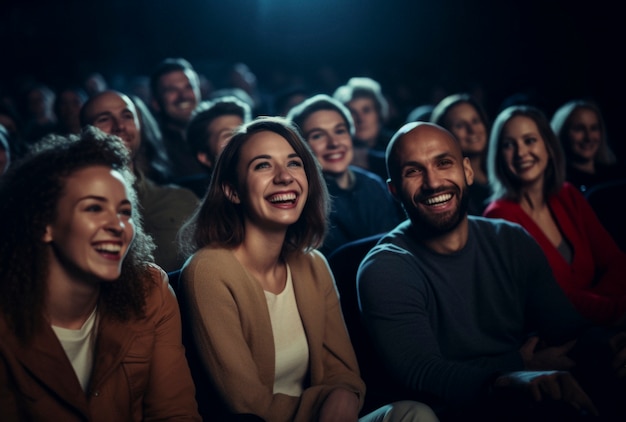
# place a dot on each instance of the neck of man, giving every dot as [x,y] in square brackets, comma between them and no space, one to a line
[444,243]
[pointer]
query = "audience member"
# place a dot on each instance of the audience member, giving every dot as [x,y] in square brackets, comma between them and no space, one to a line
[89,329]
[465,311]
[211,126]
[152,157]
[39,113]
[361,206]
[369,109]
[262,301]
[526,170]
[10,119]
[163,208]
[589,160]
[175,94]
[67,105]
[95,83]
[466,119]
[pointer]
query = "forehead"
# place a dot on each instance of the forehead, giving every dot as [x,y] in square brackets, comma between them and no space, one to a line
[361,102]
[265,143]
[520,124]
[585,113]
[323,118]
[225,121]
[425,143]
[95,180]
[176,77]
[462,109]
[109,101]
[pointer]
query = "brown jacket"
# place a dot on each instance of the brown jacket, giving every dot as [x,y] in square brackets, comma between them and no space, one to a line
[233,332]
[140,372]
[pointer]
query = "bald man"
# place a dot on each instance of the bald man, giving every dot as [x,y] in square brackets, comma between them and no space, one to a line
[456,304]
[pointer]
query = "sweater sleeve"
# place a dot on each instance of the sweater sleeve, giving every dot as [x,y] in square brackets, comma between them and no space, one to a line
[604,301]
[336,367]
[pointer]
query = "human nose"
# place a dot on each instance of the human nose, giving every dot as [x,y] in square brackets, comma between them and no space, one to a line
[431,179]
[283,175]
[118,125]
[115,224]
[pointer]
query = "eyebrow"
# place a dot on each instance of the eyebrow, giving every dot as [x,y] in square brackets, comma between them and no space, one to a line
[101,199]
[338,125]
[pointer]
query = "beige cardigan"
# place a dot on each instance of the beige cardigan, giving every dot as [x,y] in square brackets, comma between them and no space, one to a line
[232,330]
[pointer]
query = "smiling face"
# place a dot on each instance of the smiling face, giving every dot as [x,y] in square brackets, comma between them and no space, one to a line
[585,134]
[366,119]
[431,178]
[179,94]
[328,135]
[93,228]
[466,125]
[524,151]
[273,186]
[115,114]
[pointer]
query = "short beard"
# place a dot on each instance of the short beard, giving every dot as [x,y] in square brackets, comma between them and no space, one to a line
[429,227]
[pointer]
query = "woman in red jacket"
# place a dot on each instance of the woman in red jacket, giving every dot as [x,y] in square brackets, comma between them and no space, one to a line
[89,328]
[527,171]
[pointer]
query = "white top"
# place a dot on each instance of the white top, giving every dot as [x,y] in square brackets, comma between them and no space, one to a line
[292,349]
[79,348]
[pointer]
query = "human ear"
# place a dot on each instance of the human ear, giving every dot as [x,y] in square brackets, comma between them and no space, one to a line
[204,159]
[469,172]
[231,193]
[392,189]
[47,236]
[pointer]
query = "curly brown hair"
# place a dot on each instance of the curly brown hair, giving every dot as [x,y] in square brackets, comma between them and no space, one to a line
[29,194]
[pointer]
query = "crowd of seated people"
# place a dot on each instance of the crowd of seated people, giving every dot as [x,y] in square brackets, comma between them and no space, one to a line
[258,220]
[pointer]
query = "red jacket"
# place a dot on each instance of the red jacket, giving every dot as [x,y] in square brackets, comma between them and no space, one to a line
[595,280]
[140,372]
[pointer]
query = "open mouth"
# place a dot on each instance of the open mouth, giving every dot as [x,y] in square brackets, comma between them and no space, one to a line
[109,249]
[283,198]
[337,156]
[437,200]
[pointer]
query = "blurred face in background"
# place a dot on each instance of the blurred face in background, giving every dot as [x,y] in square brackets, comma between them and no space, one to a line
[465,123]
[366,119]
[584,133]
[178,96]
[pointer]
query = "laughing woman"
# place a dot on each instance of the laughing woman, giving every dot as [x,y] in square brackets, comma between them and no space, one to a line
[262,302]
[89,330]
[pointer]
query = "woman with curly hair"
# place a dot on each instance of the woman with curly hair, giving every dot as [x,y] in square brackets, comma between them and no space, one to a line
[262,303]
[89,328]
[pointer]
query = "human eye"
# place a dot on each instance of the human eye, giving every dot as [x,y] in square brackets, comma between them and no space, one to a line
[128,115]
[412,171]
[93,208]
[445,162]
[127,211]
[507,144]
[530,140]
[102,120]
[341,131]
[315,136]
[295,163]
[261,165]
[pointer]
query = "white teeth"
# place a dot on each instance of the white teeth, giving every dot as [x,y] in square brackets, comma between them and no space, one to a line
[283,197]
[109,247]
[524,165]
[439,199]
[334,156]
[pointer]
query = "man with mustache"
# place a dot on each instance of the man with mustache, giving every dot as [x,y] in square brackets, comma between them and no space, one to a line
[465,310]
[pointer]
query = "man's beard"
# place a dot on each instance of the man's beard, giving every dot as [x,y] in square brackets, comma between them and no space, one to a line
[432,225]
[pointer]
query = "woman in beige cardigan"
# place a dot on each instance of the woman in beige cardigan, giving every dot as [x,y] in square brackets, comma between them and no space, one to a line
[264,311]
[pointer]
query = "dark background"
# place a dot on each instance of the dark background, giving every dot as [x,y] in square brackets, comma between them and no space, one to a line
[553,50]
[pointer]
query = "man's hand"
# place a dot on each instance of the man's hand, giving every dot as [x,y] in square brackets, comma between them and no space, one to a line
[546,358]
[555,385]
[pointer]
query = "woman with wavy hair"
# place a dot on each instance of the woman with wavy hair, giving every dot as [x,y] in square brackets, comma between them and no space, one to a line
[89,328]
